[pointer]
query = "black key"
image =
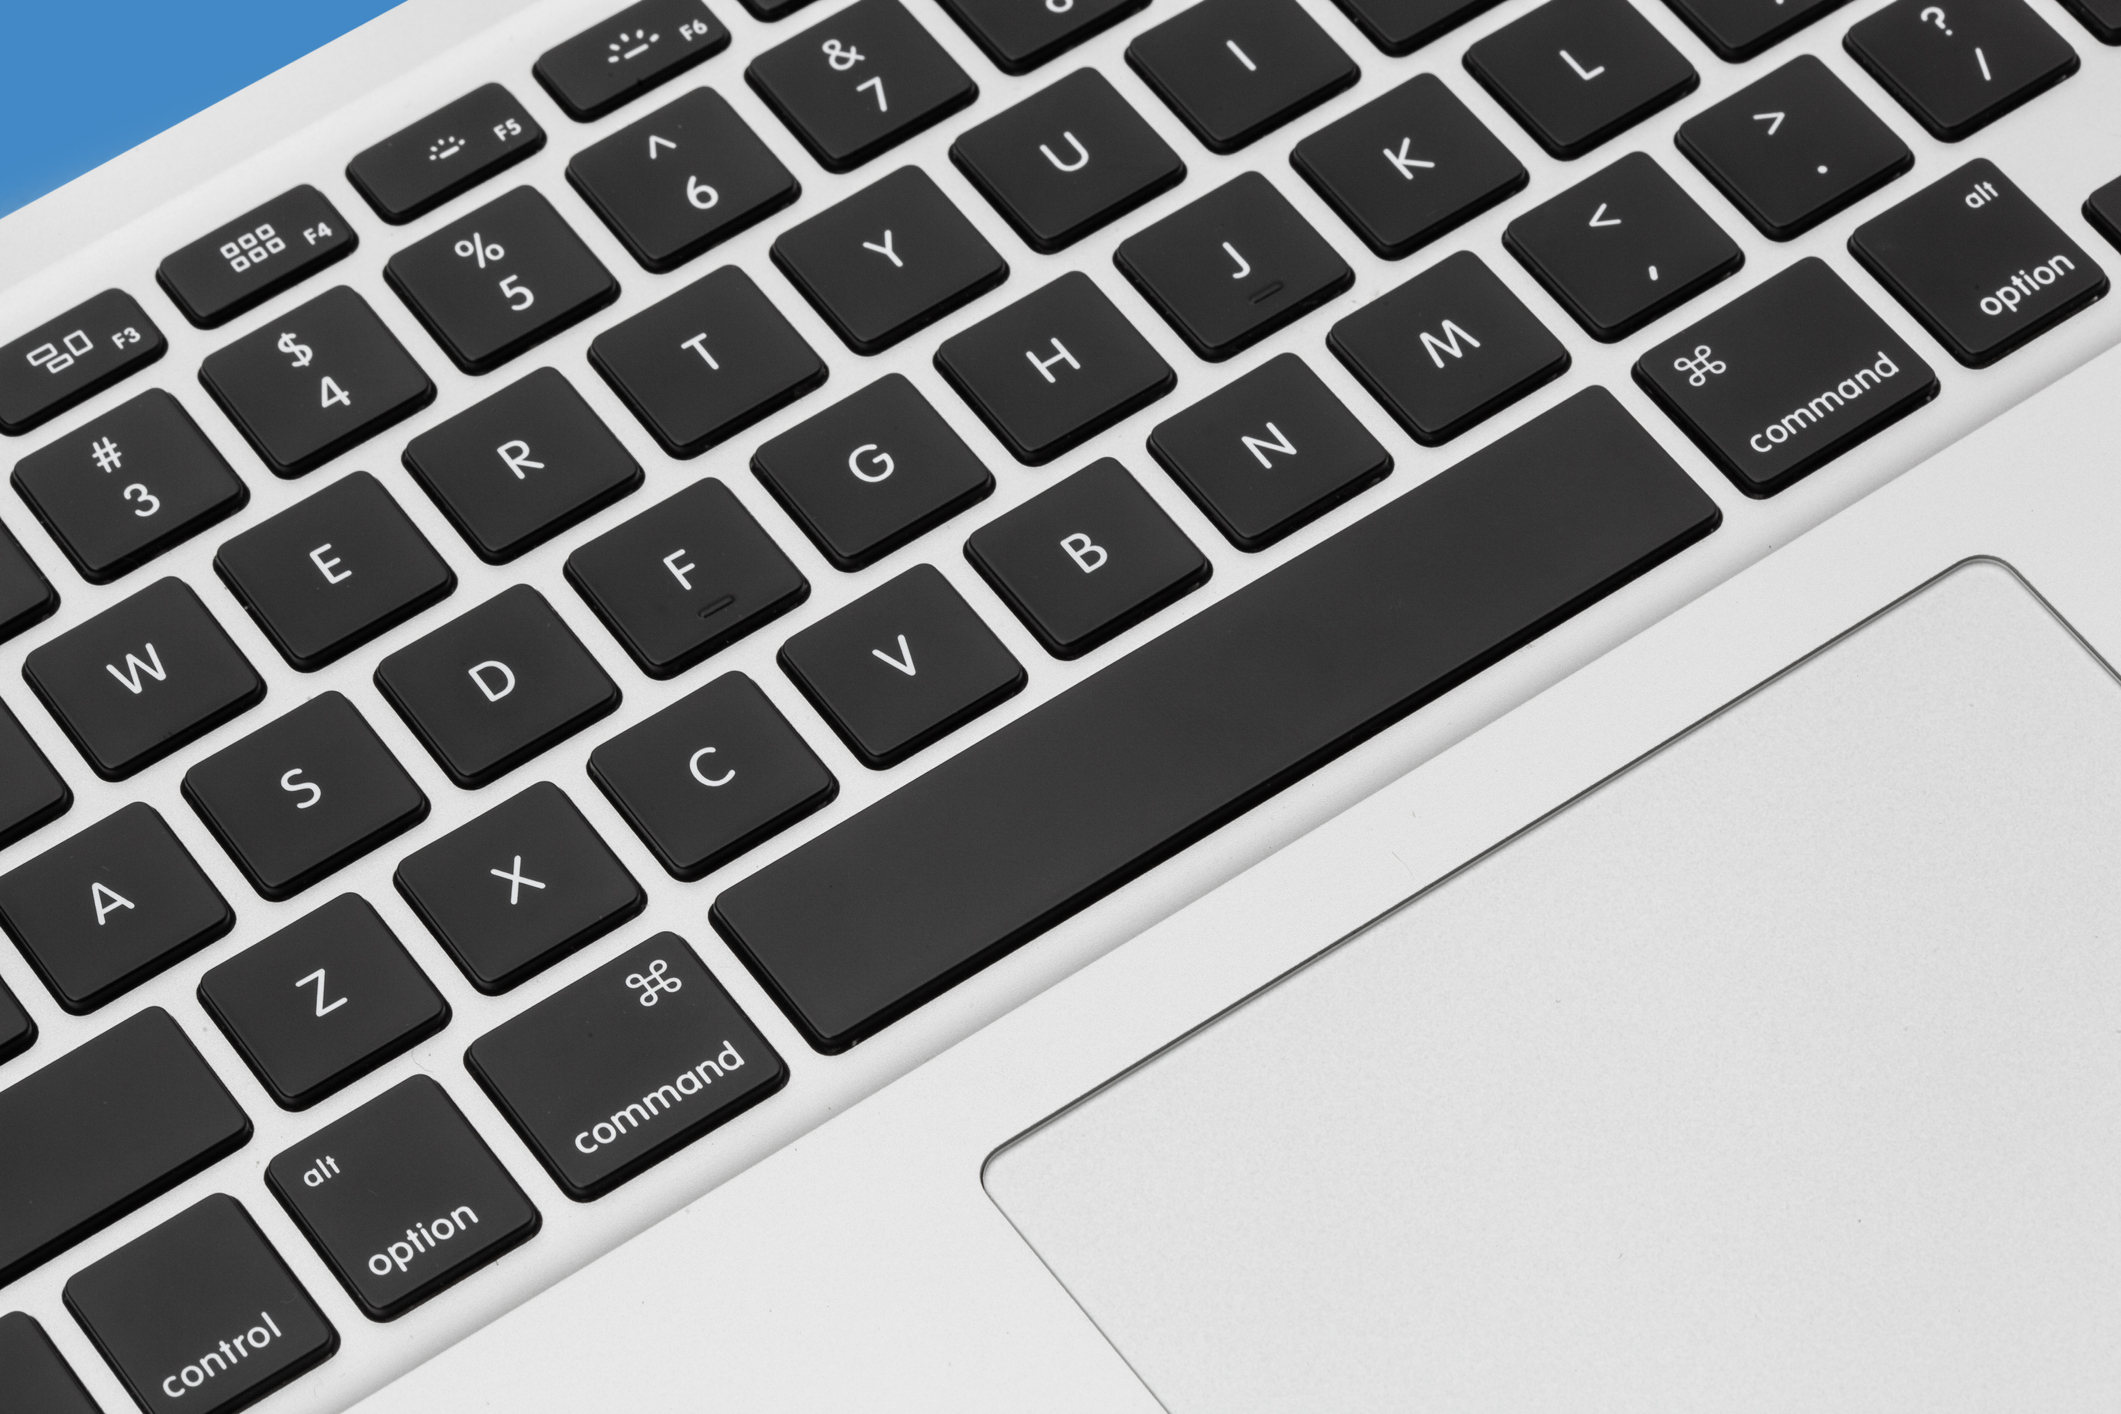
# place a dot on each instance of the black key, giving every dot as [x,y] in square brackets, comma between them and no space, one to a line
[1576,72]
[872,472]
[500,280]
[271,248]
[1785,378]
[147,676]
[989,848]
[32,794]
[68,360]
[2101,17]
[1066,161]
[1408,166]
[1403,26]
[1622,247]
[903,666]
[1231,267]
[860,83]
[1019,38]
[17,1032]
[615,62]
[1269,453]
[334,571]
[1957,74]
[710,776]
[102,912]
[2102,209]
[519,888]
[445,154]
[319,380]
[1793,148]
[685,578]
[305,796]
[201,1305]
[686,177]
[118,1120]
[495,686]
[31,1371]
[1448,349]
[1235,70]
[401,1198]
[774,9]
[26,596]
[322,1002]
[1978,263]
[1087,559]
[625,1067]
[137,481]
[517,469]
[1740,29]
[707,362]
[889,260]
[1054,369]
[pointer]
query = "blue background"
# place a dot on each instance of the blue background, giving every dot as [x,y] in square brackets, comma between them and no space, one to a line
[83,80]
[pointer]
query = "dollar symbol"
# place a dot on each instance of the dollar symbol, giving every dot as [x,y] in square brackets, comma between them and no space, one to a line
[301,352]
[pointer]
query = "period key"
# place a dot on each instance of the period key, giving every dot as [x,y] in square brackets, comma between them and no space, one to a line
[1786,377]
[626,1066]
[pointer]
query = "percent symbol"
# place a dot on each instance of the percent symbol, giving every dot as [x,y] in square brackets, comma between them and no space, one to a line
[476,248]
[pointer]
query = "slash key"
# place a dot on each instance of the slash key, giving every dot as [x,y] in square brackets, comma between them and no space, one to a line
[1786,377]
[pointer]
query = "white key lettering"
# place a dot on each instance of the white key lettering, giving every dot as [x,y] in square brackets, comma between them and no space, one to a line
[702,777]
[324,1008]
[1045,366]
[1402,162]
[107,901]
[678,571]
[325,567]
[134,668]
[1082,154]
[292,783]
[1260,446]
[882,464]
[517,880]
[515,455]
[1089,556]
[885,251]
[903,662]
[501,686]
[1448,344]
[698,344]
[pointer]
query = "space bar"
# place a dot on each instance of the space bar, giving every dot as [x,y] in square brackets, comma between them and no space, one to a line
[880,913]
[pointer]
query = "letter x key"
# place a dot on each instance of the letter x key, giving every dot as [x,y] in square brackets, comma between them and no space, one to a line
[516,878]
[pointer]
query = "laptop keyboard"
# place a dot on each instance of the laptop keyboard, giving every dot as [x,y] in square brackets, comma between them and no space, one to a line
[1213,698]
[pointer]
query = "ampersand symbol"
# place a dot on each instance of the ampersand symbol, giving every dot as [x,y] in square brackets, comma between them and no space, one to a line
[840,56]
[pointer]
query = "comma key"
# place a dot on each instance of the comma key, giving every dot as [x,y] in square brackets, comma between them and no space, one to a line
[623,1068]
[1786,377]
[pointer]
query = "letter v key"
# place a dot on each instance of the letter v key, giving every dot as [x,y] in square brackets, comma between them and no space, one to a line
[904,661]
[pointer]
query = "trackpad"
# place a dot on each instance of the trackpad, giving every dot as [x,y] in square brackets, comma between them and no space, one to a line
[1781,1072]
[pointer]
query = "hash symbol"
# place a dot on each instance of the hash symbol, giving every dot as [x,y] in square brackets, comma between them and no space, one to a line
[106,454]
[1700,366]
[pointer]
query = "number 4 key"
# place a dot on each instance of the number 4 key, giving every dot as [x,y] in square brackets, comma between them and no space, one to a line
[322,378]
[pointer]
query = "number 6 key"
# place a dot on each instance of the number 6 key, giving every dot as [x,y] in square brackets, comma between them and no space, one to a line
[500,279]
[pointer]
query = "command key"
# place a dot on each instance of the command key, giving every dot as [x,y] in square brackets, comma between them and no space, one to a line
[1786,377]
[622,1068]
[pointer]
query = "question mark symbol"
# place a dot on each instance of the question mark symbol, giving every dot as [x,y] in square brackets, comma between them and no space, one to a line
[1935,16]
